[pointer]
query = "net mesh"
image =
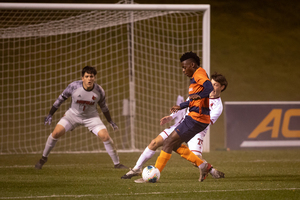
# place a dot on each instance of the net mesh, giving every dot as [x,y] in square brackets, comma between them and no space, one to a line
[134,52]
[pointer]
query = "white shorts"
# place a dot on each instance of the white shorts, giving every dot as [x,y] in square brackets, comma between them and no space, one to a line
[165,133]
[196,143]
[70,121]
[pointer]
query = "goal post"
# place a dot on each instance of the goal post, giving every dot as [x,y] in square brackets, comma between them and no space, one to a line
[135,49]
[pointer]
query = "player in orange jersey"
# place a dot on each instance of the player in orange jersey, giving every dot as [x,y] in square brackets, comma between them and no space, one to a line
[196,121]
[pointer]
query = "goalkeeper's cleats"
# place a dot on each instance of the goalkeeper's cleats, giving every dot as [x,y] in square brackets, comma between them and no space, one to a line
[120,166]
[204,170]
[131,173]
[41,162]
[140,180]
[216,174]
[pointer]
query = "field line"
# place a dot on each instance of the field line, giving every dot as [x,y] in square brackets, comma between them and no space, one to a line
[149,193]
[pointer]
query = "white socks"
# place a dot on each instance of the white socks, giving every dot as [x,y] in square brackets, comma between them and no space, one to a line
[144,157]
[112,151]
[49,145]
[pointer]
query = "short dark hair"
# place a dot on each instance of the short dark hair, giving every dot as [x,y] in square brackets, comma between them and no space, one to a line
[89,70]
[220,79]
[190,55]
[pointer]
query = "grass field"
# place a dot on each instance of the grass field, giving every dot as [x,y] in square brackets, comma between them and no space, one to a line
[269,174]
[255,44]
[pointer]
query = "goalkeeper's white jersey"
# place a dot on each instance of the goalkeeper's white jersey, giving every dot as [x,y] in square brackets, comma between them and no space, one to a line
[84,102]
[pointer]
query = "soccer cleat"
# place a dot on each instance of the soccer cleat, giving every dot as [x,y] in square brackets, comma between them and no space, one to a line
[140,180]
[132,173]
[204,171]
[216,174]
[41,162]
[120,166]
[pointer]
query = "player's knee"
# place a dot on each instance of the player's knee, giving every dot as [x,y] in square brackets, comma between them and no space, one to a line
[152,145]
[155,143]
[103,135]
[104,138]
[57,134]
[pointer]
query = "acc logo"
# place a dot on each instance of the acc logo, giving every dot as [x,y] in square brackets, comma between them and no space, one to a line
[275,115]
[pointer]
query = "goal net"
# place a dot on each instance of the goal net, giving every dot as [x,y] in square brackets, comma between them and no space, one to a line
[134,47]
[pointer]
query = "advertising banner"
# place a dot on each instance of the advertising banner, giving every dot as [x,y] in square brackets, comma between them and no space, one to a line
[252,125]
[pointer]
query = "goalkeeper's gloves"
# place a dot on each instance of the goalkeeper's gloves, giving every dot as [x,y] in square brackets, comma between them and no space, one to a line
[48,119]
[114,126]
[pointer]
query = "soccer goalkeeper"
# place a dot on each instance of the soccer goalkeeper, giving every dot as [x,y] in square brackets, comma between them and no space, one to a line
[85,94]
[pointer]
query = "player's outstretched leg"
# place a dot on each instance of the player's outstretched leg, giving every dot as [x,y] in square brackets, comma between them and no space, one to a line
[41,162]
[144,157]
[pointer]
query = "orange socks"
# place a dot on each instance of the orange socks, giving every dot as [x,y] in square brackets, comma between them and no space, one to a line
[186,153]
[162,160]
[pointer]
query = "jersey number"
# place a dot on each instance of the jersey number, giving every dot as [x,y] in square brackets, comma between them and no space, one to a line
[82,106]
[200,142]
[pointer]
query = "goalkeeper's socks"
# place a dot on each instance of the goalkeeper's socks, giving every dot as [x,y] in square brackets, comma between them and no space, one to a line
[112,151]
[162,160]
[186,153]
[51,141]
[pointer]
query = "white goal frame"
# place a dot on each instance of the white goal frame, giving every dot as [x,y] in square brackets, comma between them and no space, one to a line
[205,8]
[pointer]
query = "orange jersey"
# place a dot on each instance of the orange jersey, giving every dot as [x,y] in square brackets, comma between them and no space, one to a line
[199,109]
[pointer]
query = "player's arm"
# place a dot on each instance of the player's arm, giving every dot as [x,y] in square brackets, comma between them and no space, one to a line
[64,96]
[207,88]
[166,119]
[104,108]
[173,115]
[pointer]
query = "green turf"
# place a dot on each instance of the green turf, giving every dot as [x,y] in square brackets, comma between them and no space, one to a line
[270,174]
[256,45]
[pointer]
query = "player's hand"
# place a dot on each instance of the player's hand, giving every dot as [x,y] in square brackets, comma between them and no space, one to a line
[165,120]
[194,97]
[174,109]
[114,126]
[48,119]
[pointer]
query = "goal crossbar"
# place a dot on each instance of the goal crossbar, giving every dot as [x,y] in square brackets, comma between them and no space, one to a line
[125,7]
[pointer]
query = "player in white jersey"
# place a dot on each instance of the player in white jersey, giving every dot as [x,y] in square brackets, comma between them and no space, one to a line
[219,83]
[86,95]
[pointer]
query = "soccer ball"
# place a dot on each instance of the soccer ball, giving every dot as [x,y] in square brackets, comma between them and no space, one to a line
[150,174]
